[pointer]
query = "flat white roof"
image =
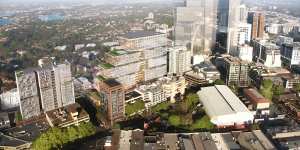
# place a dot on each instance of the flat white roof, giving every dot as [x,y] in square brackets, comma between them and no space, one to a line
[220,101]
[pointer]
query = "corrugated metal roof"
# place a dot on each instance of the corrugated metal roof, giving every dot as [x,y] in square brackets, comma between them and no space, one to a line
[219,100]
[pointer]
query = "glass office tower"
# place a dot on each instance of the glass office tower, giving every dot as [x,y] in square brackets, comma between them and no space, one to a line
[195,26]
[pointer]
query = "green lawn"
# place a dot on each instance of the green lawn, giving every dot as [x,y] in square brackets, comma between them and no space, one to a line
[202,123]
[174,120]
[161,106]
[135,107]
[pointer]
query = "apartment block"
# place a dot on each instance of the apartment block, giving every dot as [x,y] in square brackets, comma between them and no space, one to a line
[45,88]
[234,71]
[113,99]
[179,60]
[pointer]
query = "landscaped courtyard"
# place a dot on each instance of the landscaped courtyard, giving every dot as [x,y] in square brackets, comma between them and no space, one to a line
[186,114]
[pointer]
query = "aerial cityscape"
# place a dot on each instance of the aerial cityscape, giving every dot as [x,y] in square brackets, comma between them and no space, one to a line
[150,75]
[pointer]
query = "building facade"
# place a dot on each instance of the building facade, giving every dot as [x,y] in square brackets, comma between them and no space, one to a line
[228,20]
[113,99]
[258,24]
[290,54]
[267,53]
[45,88]
[195,26]
[245,52]
[234,71]
[179,60]
[137,59]
[10,99]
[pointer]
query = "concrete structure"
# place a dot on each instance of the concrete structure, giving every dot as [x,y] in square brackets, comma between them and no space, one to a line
[229,111]
[143,40]
[179,60]
[82,84]
[244,33]
[290,54]
[195,25]
[260,104]
[267,53]
[10,99]
[233,71]
[137,59]
[4,121]
[202,74]
[290,81]
[67,116]
[258,24]
[167,88]
[255,140]
[243,13]
[245,52]
[153,94]
[280,40]
[28,90]
[113,99]
[45,88]
[173,86]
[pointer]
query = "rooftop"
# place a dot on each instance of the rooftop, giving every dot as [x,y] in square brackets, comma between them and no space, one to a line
[112,82]
[140,34]
[8,141]
[228,104]
[255,96]
[63,116]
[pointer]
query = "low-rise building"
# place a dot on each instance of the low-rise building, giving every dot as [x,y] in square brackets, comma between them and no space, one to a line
[12,143]
[82,84]
[229,111]
[67,116]
[290,80]
[202,73]
[254,140]
[153,94]
[4,120]
[259,103]
[10,99]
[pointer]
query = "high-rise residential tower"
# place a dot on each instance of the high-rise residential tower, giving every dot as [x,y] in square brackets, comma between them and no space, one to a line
[195,26]
[179,60]
[258,23]
[45,88]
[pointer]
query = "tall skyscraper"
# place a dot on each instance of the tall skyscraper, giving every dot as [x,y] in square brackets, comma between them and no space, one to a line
[45,88]
[243,13]
[258,23]
[228,20]
[195,26]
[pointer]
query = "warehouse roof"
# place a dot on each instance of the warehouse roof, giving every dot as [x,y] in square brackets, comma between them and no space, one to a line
[227,101]
[220,103]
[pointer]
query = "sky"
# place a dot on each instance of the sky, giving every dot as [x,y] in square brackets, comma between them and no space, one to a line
[85,1]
